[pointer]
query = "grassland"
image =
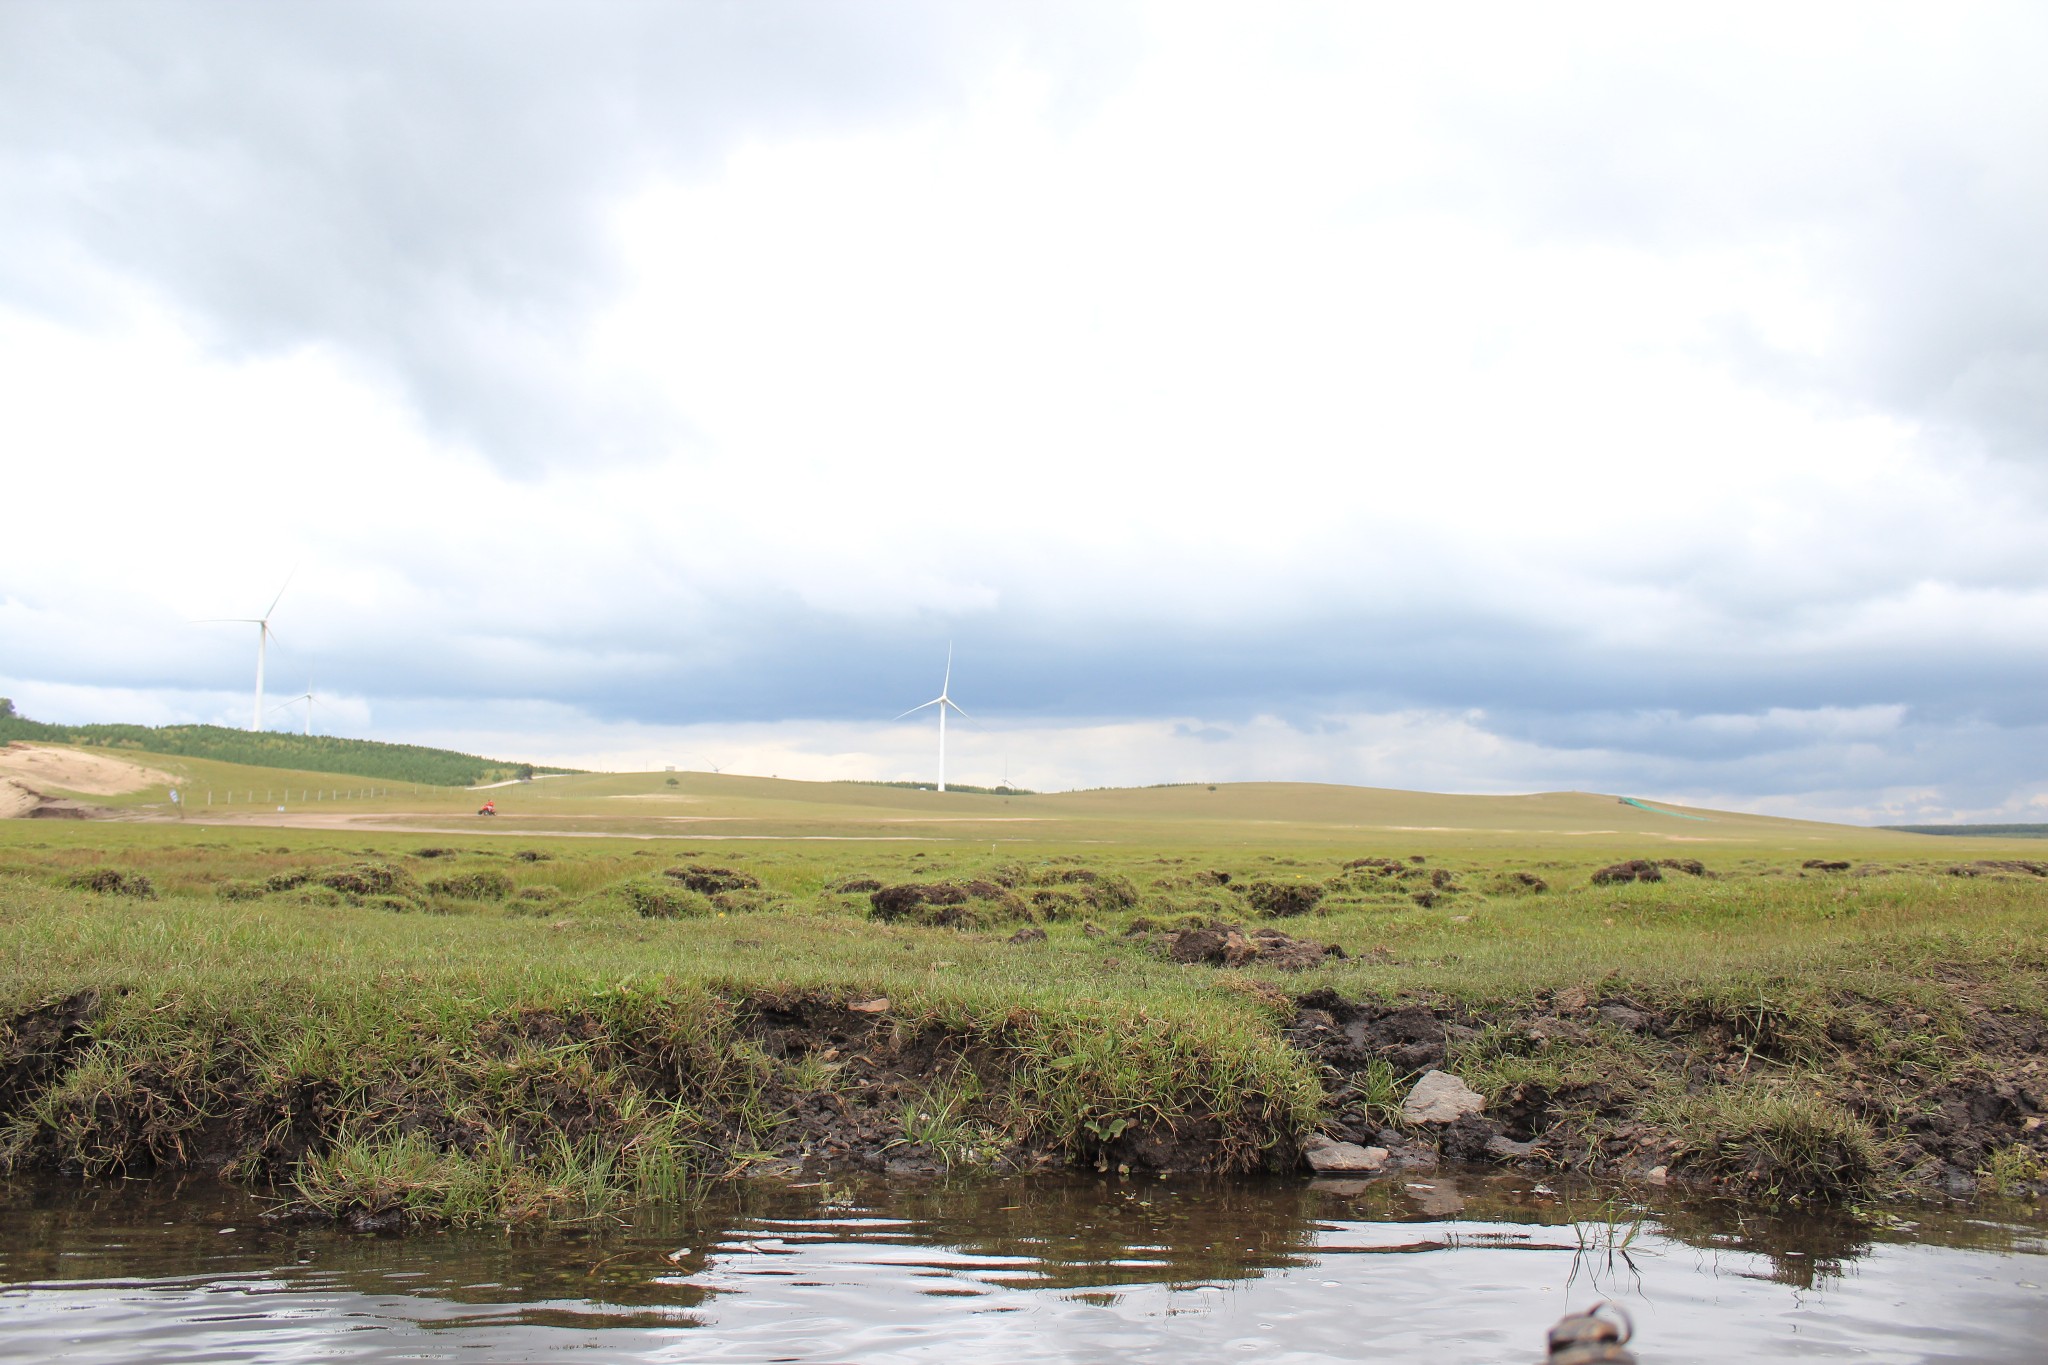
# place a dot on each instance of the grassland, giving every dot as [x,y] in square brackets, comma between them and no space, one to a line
[327,754]
[629,983]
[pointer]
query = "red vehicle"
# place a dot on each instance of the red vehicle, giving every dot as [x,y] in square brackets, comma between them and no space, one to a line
[489,808]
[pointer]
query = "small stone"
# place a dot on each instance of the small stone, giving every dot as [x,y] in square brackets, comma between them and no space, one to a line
[1657,1175]
[1440,1097]
[1507,1149]
[1327,1154]
[1622,1017]
[878,1005]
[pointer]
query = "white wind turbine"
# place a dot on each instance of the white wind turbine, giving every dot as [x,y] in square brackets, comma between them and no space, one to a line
[306,697]
[942,701]
[263,637]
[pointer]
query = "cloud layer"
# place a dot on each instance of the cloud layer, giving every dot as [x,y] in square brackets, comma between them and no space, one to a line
[1481,401]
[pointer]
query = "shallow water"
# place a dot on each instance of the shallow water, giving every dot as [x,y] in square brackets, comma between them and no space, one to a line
[1468,1268]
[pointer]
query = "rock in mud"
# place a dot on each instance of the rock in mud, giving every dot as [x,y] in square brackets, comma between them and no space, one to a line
[1326,1155]
[1623,1017]
[1440,1097]
[1634,870]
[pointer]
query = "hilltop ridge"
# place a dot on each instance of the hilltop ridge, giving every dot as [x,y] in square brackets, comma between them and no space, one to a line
[370,758]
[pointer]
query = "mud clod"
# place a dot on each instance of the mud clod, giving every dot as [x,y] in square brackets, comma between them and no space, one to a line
[112,881]
[1281,900]
[1230,945]
[709,881]
[1634,870]
[1826,865]
[947,905]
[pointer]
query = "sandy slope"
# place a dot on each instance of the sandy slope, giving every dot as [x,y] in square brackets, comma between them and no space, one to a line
[16,800]
[39,768]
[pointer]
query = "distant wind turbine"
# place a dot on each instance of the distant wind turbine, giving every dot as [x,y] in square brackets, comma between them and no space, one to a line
[942,701]
[264,634]
[306,697]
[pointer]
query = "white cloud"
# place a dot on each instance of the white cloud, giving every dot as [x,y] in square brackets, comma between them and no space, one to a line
[1352,362]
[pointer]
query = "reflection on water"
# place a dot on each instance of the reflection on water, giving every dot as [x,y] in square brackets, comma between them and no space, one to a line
[1042,1268]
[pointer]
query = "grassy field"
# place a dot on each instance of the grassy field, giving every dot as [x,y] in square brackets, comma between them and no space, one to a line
[627,983]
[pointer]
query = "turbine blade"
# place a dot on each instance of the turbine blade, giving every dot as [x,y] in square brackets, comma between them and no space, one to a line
[280,592]
[915,709]
[956,707]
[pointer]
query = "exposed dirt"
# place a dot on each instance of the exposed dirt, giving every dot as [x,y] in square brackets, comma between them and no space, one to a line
[16,800]
[38,1044]
[1932,1136]
[1218,944]
[41,769]
[955,905]
[710,881]
[1634,870]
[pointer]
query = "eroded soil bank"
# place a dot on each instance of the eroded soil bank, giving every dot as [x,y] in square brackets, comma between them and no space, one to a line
[386,1120]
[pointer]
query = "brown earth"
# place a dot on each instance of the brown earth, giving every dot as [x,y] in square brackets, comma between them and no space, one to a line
[1932,1137]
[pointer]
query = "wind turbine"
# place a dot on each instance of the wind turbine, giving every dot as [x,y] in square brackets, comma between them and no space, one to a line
[263,638]
[306,697]
[942,701]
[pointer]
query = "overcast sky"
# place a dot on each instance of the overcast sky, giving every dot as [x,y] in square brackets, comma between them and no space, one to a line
[1626,398]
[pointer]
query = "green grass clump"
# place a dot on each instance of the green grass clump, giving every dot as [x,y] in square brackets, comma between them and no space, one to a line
[589,1029]
[479,885]
[652,898]
[112,881]
[1783,1140]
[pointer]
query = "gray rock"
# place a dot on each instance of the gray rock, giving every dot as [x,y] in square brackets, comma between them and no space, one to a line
[1504,1148]
[1621,1016]
[1328,1155]
[1440,1097]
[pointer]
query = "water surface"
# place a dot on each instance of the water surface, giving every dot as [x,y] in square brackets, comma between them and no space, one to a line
[1466,1268]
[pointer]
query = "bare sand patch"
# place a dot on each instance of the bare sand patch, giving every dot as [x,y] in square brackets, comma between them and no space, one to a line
[16,800]
[38,768]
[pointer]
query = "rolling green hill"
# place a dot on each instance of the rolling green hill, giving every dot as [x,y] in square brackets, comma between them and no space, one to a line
[276,749]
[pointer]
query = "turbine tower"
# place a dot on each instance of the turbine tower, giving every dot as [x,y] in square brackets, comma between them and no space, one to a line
[263,637]
[942,701]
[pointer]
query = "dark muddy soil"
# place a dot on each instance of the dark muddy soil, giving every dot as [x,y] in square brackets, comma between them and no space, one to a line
[1219,944]
[1634,870]
[1931,1137]
[37,1045]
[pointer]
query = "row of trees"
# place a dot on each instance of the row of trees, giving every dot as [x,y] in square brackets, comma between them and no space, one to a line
[278,749]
